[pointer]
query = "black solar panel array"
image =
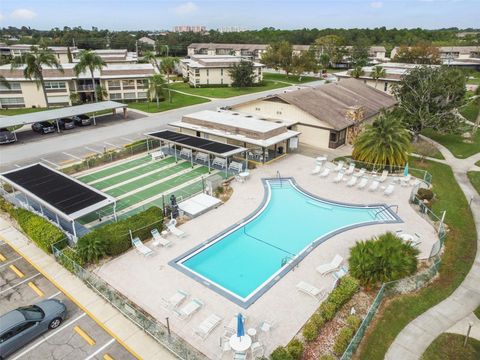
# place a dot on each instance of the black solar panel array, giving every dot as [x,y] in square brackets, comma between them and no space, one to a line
[196,142]
[57,190]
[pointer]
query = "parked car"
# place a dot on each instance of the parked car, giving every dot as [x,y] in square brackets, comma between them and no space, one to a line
[66,123]
[82,120]
[43,127]
[22,325]
[6,136]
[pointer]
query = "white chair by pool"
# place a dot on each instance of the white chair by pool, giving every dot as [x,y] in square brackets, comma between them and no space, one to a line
[325,172]
[257,349]
[350,169]
[266,326]
[340,273]
[405,181]
[363,183]
[339,166]
[389,190]
[339,177]
[175,300]
[384,176]
[231,327]
[208,325]
[187,311]
[317,169]
[171,226]
[141,247]
[311,290]
[352,181]
[361,172]
[374,186]
[159,239]
[331,266]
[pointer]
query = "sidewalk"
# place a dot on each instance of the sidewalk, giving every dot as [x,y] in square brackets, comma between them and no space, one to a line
[110,319]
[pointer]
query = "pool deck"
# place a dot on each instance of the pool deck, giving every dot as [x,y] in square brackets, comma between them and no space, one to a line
[147,280]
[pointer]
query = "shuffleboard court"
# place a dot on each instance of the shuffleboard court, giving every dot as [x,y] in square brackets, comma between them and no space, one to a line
[114,169]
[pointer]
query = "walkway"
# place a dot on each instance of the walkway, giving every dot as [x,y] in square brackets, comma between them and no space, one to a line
[414,339]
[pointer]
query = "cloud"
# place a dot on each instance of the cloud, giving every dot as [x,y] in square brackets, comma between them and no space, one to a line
[376,4]
[186,8]
[23,14]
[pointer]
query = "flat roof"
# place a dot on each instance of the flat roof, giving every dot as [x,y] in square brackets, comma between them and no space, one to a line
[197,143]
[59,192]
[25,119]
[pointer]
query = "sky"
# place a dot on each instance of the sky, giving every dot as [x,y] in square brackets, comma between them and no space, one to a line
[281,14]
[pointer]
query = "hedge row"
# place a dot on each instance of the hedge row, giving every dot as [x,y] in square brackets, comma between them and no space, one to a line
[70,255]
[346,334]
[114,239]
[293,351]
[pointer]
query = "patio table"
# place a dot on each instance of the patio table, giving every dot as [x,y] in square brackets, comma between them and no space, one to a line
[244,175]
[406,237]
[240,344]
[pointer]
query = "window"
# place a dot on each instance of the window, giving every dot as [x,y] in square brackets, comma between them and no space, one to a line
[142,95]
[115,96]
[21,328]
[6,336]
[333,137]
[113,84]
[12,101]
[142,83]
[279,112]
[257,109]
[208,81]
[55,85]
[128,84]
[208,72]
[385,86]
[221,81]
[129,95]
[58,99]
[32,312]
[14,86]
[221,72]
[197,72]
[197,81]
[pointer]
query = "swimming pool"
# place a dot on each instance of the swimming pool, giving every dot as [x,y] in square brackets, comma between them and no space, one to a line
[245,260]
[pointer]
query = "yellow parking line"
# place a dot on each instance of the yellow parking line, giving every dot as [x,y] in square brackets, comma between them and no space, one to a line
[107,357]
[84,335]
[2,258]
[36,289]
[16,271]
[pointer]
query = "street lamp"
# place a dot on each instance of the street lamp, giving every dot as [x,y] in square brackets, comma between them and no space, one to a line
[470,324]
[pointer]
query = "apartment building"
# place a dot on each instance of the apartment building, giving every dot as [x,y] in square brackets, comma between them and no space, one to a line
[189,28]
[120,81]
[61,52]
[111,56]
[204,70]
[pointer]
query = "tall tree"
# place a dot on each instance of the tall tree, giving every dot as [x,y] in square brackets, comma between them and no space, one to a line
[33,63]
[88,60]
[279,55]
[357,72]
[168,66]
[332,46]
[377,73]
[304,62]
[156,84]
[152,59]
[359,53]
[242,74]
[421,53]
[429,96]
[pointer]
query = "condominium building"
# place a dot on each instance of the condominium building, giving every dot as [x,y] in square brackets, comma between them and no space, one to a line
[61,52]
[201,70]
[188,28]
[111,56]
[463,56]
[120,82]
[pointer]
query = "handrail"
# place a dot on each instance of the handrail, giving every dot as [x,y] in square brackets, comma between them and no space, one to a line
[279,177]
[386,208]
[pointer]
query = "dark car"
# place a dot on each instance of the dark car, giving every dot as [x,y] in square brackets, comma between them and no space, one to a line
[20,326]
[7,137]
[43,127]
[82,120]
[66,123]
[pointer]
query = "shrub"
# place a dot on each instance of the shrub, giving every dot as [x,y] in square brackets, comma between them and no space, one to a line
[382,259]
[343,292]
[343,339]
[328,310]
[90,250]
[327,357]
[318,319]
[425,194]
[295,349]
[281,353]
[70,254]
[310,331]
[354,322]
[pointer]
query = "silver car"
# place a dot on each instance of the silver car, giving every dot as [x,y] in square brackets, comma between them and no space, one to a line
[20,326]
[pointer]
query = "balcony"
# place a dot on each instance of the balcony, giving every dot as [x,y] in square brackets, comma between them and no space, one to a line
[87,87]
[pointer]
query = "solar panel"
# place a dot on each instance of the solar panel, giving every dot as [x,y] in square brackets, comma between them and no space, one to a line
[56,189]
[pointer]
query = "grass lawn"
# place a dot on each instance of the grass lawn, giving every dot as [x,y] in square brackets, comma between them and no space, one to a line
[474,177]
[294,79]
[178,101]
[19,111]
[450,347]
[226,92]
[460,249]
[455,143]
[470,111]
[477,312]
[423,147]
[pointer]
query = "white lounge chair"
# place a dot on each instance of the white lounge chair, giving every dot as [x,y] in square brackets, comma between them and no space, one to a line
[339,166]
[339,177]
[405,181]
[317,169]
[240,356]
[374,186]
[157,155]
[384,176]
[258,350]
[311,290]
[141,247]
[350,169]
[189,309]
[231,327]
[361,172]
[363,183]
[265,326]
[331,266]
[175,300]
[171,226]
[159,239]
[340,273]
[352,181]
[208,325]
[325,172]
[389,190]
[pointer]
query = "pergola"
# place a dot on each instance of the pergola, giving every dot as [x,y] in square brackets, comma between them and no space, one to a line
[55,195]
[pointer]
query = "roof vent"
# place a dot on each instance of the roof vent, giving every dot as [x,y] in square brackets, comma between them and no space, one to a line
[249,116]
[235,114]
[278,121]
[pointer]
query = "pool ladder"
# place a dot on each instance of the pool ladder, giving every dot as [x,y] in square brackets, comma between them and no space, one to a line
[279,177]
[385,209]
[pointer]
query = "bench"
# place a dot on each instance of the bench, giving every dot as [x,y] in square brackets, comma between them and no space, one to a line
[157,155]
[186,153]
[235,166]
[220,162]
[201,157]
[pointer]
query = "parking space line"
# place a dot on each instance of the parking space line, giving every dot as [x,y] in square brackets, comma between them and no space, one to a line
[95,151]
[115,146]
[20,283]
[100,350]
[84,335]
[107,357]
[75,157]
[36,289]
[2,258]
[126,139]
[50,162]
[52,296]
[48,337]
[17,271]
[8,263]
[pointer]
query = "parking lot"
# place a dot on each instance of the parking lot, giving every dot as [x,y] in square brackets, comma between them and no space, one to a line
[79,337]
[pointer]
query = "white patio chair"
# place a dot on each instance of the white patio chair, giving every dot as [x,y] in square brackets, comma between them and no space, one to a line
[141,247]
[384,176]
[325,172]
[208,325]
[339,166]
[311,290]
[374,186]
[363,183]
[231,327]
[360,173]
[257,350]
[159,239]
[331,266]
[352,181]
[405,181]
[171,226]
[350,169]
[317,169]
[338,178]
[187,311]
[389,190]
[175,300]
[266,326]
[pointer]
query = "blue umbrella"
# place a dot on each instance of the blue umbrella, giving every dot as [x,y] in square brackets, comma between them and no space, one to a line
[240,328]
[405,171]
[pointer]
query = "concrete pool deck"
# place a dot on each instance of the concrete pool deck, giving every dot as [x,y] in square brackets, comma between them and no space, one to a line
[147,280]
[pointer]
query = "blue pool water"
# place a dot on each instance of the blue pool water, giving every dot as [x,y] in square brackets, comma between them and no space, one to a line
[242,260]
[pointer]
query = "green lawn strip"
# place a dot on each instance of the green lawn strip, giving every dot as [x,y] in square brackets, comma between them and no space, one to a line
[422,147]
[114,169]
[178,101]
[460,249]
[148,167]
[20,111]
[474,177]
[146,180]
[477,312]
[450,347]
[294,79]
[470,111]
[456,143]
[226,92]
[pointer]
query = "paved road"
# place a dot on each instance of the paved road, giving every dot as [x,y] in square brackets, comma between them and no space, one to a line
[49,147]
[60,344]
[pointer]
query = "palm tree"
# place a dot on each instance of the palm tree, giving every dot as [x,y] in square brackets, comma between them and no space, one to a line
[156,83]
[167,66]
[33,63]
[91,61]
[357,72]
[152,59]
[477,121]
[377,73]
[5,83]
[101,92]
[325,61]
[385,142]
